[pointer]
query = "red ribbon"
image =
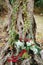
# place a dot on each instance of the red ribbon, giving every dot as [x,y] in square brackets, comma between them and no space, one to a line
[15,59]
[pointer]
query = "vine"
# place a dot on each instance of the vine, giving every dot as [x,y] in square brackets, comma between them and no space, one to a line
[12,32]
[15,5]
[26,17]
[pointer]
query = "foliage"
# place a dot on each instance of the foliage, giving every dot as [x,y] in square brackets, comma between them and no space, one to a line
[26,18]
[39,3]
[12,33]
[12,1]
[16,5]
[25,55]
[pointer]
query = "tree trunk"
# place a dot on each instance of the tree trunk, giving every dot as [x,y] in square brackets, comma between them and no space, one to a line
[5,19]
[22,11]
[30,7]
[28,10]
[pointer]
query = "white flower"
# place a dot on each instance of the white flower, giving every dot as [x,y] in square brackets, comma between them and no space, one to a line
[19,44]
[34,49]
[28,43]
[32,42]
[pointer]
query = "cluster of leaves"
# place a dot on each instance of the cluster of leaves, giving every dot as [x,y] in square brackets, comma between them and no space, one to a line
[39,3]
[12,1]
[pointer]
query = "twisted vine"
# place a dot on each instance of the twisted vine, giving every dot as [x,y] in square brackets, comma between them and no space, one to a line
[27,22]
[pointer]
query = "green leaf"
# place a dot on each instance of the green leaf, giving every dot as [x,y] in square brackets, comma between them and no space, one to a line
[12,1]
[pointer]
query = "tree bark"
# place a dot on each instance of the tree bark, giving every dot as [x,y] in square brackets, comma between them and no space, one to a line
[30,7]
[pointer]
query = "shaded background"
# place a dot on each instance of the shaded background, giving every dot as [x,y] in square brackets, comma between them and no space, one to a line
[38,14]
